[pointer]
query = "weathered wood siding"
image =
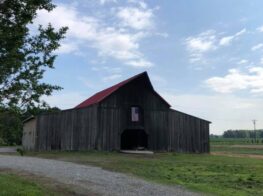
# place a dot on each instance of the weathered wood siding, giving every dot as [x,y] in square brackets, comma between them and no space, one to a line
[100,128]
[156,125]
[68,130]
[110,123]
[29,135]
[187,133]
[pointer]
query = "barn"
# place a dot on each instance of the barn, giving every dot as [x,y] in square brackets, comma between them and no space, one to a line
[128,115]
[29,133]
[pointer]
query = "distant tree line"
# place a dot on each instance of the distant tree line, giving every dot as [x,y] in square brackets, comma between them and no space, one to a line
[243,134]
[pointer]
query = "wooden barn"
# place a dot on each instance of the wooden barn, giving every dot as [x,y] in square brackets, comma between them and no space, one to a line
[128,115]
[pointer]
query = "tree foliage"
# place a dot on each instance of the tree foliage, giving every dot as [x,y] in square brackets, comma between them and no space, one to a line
[10,127]
[24,57]
[243,134]
[37,110]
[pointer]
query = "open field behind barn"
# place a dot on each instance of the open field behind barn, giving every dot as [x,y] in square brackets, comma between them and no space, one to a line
[237,147]
[232,141]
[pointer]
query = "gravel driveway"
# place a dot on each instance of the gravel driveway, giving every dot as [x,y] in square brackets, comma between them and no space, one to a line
[90,178]
[9,149]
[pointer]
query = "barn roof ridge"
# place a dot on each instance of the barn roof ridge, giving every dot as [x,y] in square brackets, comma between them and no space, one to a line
[28,119]
[101,95]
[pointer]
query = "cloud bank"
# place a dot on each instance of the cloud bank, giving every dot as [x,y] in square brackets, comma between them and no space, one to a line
[119,40]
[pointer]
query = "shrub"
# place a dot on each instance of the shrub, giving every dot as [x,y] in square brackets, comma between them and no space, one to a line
[20,151]
[2,142]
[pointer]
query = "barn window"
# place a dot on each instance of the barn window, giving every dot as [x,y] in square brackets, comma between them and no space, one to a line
[135,114]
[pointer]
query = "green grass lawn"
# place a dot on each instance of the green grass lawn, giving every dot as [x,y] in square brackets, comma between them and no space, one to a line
[219,175]
[17,184]
[13,185]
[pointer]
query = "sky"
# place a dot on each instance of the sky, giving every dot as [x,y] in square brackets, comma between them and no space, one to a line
[204,57]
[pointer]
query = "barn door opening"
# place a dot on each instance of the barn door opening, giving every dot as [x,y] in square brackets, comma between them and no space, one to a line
[134,139]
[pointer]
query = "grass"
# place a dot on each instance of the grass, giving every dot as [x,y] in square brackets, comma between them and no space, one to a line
[235,141]
[219,175]
[236,146]
[20,184]
[238,150]
[12,185]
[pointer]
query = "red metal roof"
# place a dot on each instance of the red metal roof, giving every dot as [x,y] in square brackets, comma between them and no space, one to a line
[98,97]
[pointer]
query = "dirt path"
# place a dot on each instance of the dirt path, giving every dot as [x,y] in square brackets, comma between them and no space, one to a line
[89,178]
[238,155]
[259,146]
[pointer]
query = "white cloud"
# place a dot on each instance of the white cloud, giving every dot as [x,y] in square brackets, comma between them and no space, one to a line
[141,3]
[142,63]
[260,29]
[107,1]
[112,73]
[111,77]
[200,44]
[110,70]
[64,100]
[236,80]
[257,47]
[242,61]
[224,111]
[136,18]
[67,48]
[88,31]
[224,41]
[243,31]
[164,35]
[203,42]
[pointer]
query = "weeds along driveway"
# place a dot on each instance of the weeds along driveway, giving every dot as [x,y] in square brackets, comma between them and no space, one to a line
[90,178]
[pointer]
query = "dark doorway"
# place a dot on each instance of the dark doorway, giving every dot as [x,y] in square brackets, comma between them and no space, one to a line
[133,139]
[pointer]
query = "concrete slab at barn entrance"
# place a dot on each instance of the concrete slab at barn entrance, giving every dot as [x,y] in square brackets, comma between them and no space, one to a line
[137,151]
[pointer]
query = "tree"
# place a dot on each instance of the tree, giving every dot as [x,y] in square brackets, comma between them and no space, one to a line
[10,127]
[36,111]
[25,57]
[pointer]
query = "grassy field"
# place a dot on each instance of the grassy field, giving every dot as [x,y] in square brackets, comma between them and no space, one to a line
[12,185]
[220,175]
[238,149]
[236,146]
[20,184]
[233,141]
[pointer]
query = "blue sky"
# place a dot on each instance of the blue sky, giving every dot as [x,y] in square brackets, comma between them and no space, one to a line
[205,57]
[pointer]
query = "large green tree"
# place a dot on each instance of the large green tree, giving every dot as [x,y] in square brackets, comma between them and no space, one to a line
[24,57]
